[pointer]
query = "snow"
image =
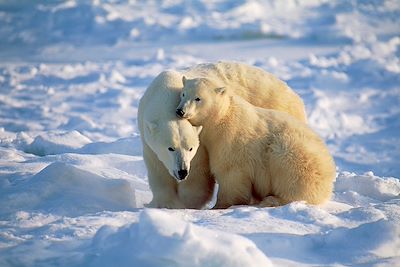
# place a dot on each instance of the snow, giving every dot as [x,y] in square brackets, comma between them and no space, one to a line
[160,238]
[73,183]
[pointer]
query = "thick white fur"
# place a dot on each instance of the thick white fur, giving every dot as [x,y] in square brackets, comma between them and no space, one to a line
[258,156]
[157,108]
[159,129]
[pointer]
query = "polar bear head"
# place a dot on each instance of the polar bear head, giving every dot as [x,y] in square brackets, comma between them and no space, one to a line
[199,100]
[175,142]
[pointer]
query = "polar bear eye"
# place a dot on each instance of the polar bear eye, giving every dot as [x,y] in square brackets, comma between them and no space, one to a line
[171,149]
[191,149]
[197,99]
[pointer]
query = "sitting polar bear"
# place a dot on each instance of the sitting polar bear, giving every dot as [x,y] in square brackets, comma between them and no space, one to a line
[170,144]
[258,156]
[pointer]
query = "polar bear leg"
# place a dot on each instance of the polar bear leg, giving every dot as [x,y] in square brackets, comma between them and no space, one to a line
[162,184]
[197,189]
[234,189]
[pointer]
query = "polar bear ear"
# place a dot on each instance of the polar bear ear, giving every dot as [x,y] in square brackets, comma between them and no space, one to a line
[184,80]
[220,90]
[151,127]
[198,129]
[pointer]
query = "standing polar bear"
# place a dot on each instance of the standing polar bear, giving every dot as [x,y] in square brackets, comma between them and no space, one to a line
[170,144]
[258,156]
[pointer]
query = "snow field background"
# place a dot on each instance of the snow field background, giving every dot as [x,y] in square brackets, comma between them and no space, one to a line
[72,178]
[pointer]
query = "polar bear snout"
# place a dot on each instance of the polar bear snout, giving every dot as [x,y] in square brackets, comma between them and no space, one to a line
[180,113]
[182,165]
[182,174]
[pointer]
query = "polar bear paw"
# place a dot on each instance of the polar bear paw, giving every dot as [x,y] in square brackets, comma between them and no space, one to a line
[272,201]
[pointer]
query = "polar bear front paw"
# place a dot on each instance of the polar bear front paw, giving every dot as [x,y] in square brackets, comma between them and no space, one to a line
[272,201]
[167,204]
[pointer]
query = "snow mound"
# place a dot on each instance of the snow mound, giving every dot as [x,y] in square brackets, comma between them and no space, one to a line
[355,245]
[57,143]
[65,189]
[160,239]
[385,235]
[75,142]
[126,146]
[369,187]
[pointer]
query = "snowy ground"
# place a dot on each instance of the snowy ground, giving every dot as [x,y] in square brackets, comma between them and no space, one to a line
[72,178]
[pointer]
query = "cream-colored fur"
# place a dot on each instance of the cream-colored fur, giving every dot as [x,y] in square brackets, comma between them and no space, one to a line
[260,88]
[258,156]
[158,105]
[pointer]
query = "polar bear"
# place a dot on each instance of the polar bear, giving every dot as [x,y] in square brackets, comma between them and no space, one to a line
[258,156]
[161,130]
[169,147]
[255,85]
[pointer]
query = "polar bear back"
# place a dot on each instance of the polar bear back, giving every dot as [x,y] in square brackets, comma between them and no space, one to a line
[253,84]
[161,97]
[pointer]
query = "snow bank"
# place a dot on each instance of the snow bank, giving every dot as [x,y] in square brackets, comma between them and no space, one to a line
[368,186]
[54,143]
[160,239]
[125,146]
[65,189]
[386,242]
[356,245]
[57,143]
[83,222]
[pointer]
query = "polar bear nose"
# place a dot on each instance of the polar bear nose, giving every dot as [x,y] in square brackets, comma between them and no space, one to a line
[180,112]
[182,174]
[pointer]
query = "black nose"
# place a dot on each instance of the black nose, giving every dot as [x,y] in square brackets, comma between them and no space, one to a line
[180,112]
[182,174]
